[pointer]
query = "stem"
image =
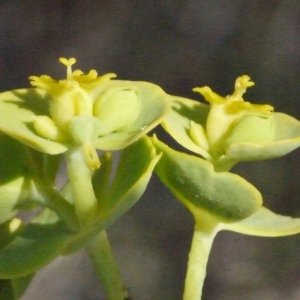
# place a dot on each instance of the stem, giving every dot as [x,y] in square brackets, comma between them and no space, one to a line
[105,266]
[81,180]
[86,208]
[203,237]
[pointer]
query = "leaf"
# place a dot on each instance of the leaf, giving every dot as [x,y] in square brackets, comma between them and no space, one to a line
[18,109]
[15,176]
[265,223]
[194,182]
[133,174]
[101,177]
[13,289]
[9,230]
[39,243]
[6,291]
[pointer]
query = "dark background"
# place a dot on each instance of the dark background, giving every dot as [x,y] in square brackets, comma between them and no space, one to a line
[177,45]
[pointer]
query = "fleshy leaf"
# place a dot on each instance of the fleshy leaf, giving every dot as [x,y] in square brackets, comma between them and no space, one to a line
[15,176]
[39,243]
[133,174]
[18,110]
[194,182]
[6,290]
[136,163]
[265,223]
[101,177]
[13,289]
[9,230]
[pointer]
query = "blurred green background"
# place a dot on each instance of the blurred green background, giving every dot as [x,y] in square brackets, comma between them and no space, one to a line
[177,44]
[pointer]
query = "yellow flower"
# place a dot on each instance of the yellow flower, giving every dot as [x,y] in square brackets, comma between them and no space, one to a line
[83,110]
[79,114]
[229,113]
[230,129]
[71,97]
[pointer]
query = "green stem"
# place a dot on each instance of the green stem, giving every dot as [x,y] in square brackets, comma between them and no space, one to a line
[81,180]
[198,257]
[86,208]
[105,266]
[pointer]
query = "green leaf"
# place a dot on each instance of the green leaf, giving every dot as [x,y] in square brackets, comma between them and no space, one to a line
[18,109]
[194,182]
[136,163]
[9,230]
[133,174]
[13,289]
[16,171]
[39,243]
[101,177]
[265,223]
[6,291]
[155,104]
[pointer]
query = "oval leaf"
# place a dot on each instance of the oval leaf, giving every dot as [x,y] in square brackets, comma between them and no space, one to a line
[39,243]
[15,176]
[193,180]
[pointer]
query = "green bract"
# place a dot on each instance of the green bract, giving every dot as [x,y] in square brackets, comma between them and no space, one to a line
[16,173]
[231,130]
[46,236]
[86,110]
[198,186]
[265,223]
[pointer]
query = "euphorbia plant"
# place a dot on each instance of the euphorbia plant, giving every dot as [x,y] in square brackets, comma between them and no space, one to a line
[226,132]
[74,117]
[82,119]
